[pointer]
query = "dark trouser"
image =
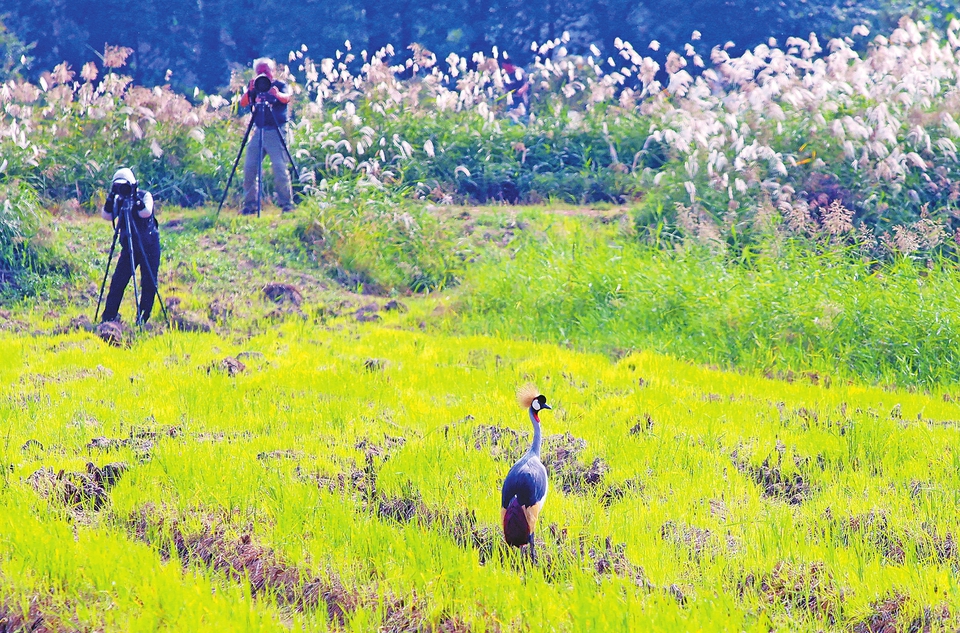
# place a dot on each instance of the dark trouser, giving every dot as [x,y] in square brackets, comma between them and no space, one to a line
[121,276]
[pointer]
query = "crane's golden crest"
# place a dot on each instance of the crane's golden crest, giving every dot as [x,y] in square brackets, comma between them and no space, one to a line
[527,394]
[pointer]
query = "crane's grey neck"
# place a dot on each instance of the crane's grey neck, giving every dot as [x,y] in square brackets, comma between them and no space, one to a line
[535,448]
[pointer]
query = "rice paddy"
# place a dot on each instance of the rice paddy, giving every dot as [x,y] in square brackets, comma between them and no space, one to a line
[346,476]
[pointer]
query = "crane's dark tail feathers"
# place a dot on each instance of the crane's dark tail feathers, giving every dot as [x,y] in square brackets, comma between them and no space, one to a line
[515,529]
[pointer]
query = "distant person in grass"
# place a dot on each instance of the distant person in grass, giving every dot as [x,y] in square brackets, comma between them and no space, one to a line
[272,121]
[145,240]
[517,86]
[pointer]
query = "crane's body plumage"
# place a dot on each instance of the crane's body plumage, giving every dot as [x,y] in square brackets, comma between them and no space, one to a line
[521,498]
[525,486]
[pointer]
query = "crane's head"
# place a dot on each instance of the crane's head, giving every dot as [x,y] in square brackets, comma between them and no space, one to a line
[530,397]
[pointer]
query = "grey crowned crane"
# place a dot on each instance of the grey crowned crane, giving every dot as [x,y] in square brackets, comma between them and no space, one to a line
[525,486]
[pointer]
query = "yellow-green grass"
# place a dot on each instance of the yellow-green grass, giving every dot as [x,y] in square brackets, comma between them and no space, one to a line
[869,450]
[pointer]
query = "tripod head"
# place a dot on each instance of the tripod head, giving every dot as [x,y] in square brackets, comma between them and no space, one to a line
[123,205]
[262,102]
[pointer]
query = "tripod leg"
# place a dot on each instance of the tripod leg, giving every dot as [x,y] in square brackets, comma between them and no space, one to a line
[283,143]
[226,190]
[152,276]
[260,174]
[106,272]
[133,264]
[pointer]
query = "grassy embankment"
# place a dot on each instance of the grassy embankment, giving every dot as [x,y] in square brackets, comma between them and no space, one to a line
[570,276]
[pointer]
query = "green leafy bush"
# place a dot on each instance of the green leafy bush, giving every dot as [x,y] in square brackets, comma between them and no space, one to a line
[25,257]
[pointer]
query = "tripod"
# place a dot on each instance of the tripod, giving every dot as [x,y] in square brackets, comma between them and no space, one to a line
[261,110]
[120,221]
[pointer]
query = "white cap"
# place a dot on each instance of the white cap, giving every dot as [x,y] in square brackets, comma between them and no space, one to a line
[125,175]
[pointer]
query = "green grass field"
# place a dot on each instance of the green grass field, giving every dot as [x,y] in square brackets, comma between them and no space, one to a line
[367,492]
[347,476]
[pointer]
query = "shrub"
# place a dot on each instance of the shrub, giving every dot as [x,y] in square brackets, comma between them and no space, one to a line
[24,254]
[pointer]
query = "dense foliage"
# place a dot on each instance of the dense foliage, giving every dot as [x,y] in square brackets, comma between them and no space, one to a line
[826,143]
[27,258]
[196,42]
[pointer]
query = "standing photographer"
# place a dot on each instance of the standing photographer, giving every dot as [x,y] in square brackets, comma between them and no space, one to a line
[270,121]
[126,204]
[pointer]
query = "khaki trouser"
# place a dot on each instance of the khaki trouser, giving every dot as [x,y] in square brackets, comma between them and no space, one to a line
[278,160]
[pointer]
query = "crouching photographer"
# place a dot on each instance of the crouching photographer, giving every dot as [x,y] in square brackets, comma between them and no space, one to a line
[131,212]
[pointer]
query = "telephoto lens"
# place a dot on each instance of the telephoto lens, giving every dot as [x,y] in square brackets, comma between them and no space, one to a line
[262,84]
[122,188]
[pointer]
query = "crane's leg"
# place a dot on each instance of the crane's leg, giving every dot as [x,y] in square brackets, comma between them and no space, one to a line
[533,550]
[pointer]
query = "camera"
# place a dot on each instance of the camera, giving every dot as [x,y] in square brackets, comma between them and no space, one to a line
[262,84]
[123,188]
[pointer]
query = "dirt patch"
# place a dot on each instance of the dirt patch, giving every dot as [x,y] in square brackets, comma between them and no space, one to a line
[561,459]
[927,541]
[76,324]
[229,365]
[774,483]
[791,376]
[405,509]
[7,322]
[141,440]
[183,321]
[931,545]
[798,587]
[384,449]
[394,306]
[643,424]
[896,614]
[62,376]
[698,542]
[223,436]
[283,294]
[504,443]
[40,616]
[350,480]
[219,311]
[608,558]
[186,323]
[873,528]
[243,560]
[368,313]
[356,479]
[357,281]
[78,491]
[13,619]
[153,434]
[618,491]
[411,616]
[113,333]
[280,454]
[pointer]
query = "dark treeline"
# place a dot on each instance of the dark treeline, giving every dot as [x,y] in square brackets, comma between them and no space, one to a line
[199,40]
